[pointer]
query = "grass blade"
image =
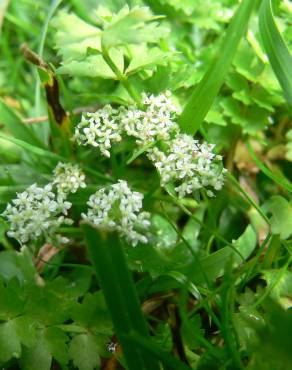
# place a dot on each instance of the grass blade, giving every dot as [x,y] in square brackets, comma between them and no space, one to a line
[278,54]
[205,92]
[16,127]
[155,351]
[277,179]
[120,295]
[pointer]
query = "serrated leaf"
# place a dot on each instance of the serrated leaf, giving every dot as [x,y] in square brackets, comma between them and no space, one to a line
[46,306]
[11,302]
[51,343]
[147,58]
[17,264]
[92,66]
[26,329]
[38,356]
[252,120]
[83,351]
[74,36]
[92,312]
[281,220]
[9,342]
[56,341]
[131,26]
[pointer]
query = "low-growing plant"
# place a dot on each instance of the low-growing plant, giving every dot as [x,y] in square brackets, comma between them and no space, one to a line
[146,214]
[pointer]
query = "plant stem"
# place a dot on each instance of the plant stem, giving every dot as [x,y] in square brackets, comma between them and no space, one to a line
[121,77]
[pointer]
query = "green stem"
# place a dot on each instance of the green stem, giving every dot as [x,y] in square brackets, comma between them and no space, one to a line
[250,200]
[121,77]
[284,183]
[226,328]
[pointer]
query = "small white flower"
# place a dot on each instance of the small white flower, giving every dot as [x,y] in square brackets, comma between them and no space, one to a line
[100,129]
[188,164]
[35,214]
[157,122]
[118,208]
[68,178]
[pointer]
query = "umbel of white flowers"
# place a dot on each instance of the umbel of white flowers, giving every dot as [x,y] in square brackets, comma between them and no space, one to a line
[179,158]
[38,212]
[118,208]
[68,178]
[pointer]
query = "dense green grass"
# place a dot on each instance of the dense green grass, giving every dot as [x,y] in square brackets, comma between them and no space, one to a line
[212,286]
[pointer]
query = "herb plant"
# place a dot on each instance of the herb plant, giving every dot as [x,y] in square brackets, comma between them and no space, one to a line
[145,184]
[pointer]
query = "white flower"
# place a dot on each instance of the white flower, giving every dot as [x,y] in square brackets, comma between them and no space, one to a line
[118,208]
[68,178]
[189,165]
[100,129]
[157,122]
[36,213]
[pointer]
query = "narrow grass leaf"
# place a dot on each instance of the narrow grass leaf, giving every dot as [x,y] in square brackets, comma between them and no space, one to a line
[277,52]
[205,92]
[284,183]
[15,126]
[120,295]
[156,351]
[32,148]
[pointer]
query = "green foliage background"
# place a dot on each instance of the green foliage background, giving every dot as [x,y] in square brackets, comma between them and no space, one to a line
[215,285]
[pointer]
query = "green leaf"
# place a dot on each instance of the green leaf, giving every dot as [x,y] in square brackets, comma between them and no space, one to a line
[9,342]
[83,351]
[119,292]
[92,312]
[205,92]
[281,220]
[278,54]
[251,118]
[165,233]
[32,148]
[281,180]
[92,66]
[281,287]
[145,57]
[214,264]
[74,36]
[12,301]
[51,343]
[38,356]
[16,127]
[132,26]
[26,329]
[56,341]
[17,264]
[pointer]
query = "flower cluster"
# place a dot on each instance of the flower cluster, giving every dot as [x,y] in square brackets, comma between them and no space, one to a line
[68,178]
[37,212]
[179,158]
[157,122]
[189,165]
[106,126]
[99,129]
[118,208]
